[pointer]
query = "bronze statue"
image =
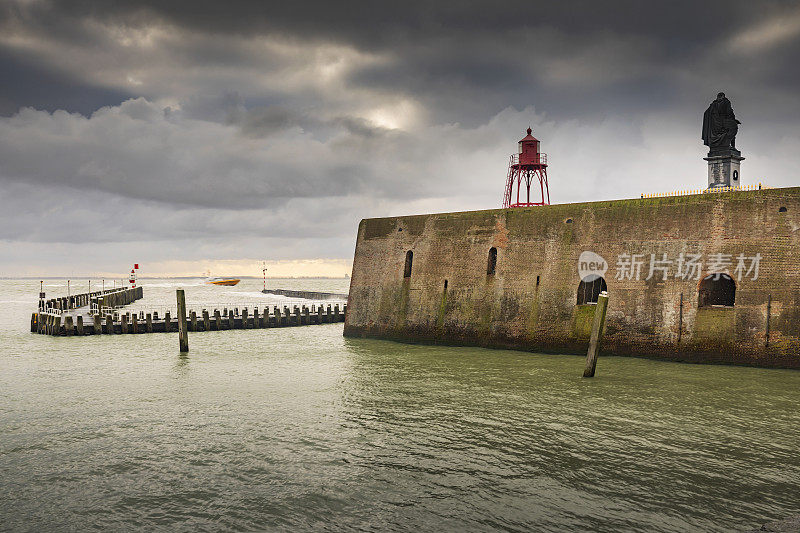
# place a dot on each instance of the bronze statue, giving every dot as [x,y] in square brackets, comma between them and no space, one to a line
[720,125]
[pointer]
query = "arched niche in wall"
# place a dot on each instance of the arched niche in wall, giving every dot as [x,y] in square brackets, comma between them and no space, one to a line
[589,290]
[491,265]
[716,289]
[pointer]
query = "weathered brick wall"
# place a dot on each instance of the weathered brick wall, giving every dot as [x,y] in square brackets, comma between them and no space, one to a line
[530,302]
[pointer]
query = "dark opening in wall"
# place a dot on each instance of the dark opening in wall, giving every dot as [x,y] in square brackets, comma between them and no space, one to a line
[445,284]
[537,281]
[717,289]
[781,209]
[491,267]
[409,260]
[588,291]
[568,221]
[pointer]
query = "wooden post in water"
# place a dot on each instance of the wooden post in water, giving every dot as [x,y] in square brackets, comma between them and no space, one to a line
[244,318]
[98,324]
[33,323]
[167,321]
[265,318]
[148,323]
[80,325]
[206,321]
[597,332]
[183,330]
[109,324]
[193,320]
[217,320]
[68,326]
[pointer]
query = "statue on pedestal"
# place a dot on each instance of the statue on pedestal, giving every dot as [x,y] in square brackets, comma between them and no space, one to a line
[720,125]
[719,134]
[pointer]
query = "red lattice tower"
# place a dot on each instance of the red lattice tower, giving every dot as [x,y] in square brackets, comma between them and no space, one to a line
[525,168]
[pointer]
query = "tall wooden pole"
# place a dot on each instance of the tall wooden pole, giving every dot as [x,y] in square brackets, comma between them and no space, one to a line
[597,332]
[183,331]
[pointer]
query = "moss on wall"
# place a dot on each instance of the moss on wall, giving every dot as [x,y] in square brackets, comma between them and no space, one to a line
[714,326]
[582,321]
[510,309]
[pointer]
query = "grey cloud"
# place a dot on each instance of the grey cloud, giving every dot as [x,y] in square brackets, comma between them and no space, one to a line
[236,126]
[213,108]
[464,62]
[28,83]
[138,151]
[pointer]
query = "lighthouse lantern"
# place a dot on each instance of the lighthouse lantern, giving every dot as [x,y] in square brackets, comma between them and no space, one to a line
[526,167]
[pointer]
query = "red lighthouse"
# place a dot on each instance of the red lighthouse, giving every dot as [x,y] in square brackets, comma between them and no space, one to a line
[525,168]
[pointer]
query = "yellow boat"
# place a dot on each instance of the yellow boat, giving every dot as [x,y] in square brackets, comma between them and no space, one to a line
[228,282]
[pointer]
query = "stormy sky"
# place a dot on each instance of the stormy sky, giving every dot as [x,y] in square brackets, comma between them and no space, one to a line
[194,135]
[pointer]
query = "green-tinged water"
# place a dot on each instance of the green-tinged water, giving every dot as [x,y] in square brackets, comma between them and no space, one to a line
[300,429]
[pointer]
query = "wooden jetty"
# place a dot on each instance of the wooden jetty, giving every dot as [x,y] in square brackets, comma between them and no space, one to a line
[107,298]
[307,295]
[78,312]
[66,324]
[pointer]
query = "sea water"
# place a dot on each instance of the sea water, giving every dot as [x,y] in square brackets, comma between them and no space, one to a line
[301,429]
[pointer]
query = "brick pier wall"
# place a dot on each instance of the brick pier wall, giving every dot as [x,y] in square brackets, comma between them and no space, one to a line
[530,302]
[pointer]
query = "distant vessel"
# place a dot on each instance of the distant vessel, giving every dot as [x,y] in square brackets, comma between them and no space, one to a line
[222,280]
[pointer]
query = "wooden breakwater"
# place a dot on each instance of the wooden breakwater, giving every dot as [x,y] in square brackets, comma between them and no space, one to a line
[59,324]
[113,299]
[307,295]
[108,297]
[70,313]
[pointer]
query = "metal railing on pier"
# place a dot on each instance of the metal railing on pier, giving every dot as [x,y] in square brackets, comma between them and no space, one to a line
[716,190]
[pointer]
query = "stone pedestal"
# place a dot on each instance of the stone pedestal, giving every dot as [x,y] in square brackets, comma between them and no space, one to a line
[723,168]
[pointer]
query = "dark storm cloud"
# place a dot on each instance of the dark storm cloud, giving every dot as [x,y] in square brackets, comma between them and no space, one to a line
[376,24]
[226,123]
[27,83]
[468,61]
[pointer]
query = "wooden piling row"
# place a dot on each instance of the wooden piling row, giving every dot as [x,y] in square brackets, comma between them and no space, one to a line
[50,323]
[110,297]
[308,295]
